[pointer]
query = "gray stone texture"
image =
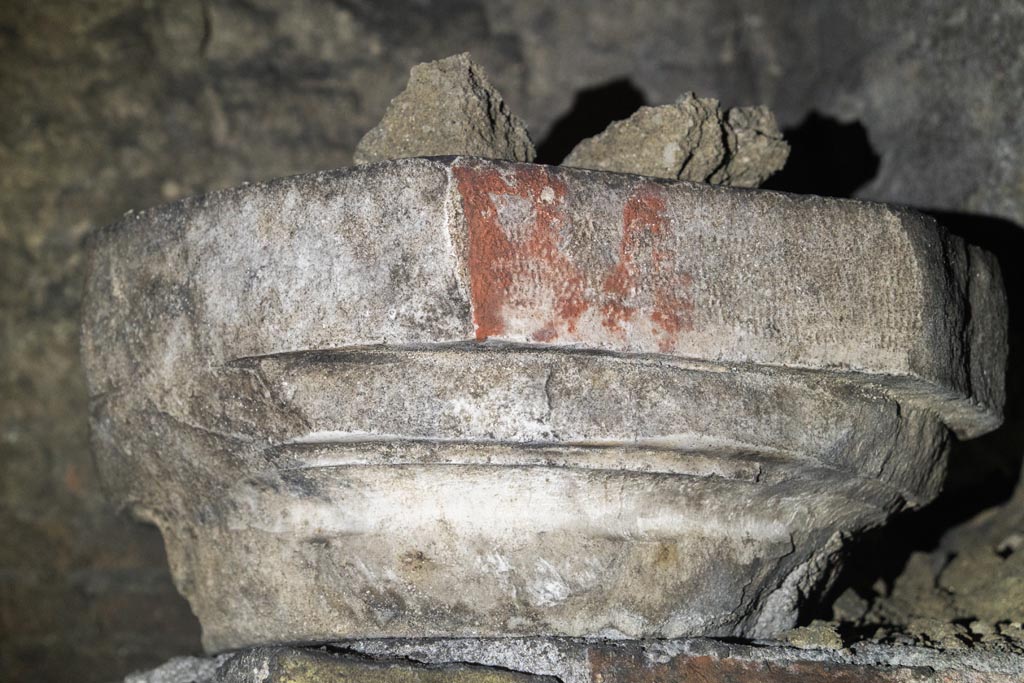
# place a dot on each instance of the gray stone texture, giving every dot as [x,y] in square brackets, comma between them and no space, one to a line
[691,139]
[323,665]
[125,104]
[448,107]
[461,397]
[524,660]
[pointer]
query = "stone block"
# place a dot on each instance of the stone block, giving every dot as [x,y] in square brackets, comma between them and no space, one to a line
[457,397]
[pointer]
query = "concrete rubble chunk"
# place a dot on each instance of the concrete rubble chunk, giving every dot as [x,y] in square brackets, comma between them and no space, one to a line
[459,397]
[755,147]
[691,139]
[817,634]
[449,107]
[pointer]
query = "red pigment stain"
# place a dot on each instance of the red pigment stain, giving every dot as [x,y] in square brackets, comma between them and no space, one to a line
[506,273]
[673,310]
[518,269]
[545,334]
[643,213]
[645,229]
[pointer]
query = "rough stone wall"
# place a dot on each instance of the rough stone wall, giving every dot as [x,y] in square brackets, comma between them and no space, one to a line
[118,104]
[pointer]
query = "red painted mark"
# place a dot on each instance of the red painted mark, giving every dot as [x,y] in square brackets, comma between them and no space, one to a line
[646,248]
[521,278]
[643,214]
[506,273]
[673,310]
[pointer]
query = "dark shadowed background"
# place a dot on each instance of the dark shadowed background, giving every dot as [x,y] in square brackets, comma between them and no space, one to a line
[120,104]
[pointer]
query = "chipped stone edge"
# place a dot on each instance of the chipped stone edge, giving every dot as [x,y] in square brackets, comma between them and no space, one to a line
[567,659]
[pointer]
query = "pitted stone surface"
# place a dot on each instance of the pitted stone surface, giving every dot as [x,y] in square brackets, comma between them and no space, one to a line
[458,397]
[691,139]
[448,107]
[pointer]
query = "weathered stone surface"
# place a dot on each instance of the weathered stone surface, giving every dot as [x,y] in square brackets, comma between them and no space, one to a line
[691,139]
[133,103]
[460,397]
[755,148]
[181,670]
[448,107]
[575,661]
[614,664]
[295,665]
[288,665]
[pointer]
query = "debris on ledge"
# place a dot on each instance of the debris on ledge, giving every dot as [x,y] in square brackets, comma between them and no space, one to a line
[692,139]
[967,593]
[448,108]
[818,634]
